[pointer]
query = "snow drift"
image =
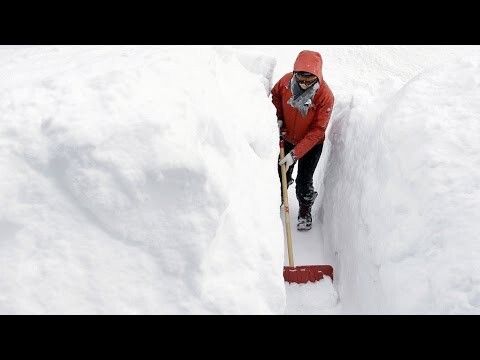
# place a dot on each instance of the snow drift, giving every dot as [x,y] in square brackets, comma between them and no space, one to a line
[401,196]
[128,178]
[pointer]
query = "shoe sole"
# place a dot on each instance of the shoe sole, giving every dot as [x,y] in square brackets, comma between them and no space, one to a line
[302,228]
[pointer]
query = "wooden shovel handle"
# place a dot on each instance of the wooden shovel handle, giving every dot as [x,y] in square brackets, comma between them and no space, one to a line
[285,206]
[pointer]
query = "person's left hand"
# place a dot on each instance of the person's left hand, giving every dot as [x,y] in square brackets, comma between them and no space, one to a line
[288,160]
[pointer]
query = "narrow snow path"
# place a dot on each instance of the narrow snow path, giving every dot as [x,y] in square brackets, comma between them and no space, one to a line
[311,298]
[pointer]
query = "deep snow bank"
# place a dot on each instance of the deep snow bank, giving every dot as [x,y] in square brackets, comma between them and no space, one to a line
[401,196]
[128,179]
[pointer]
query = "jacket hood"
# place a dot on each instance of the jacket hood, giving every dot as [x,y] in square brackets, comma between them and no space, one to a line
[309,61]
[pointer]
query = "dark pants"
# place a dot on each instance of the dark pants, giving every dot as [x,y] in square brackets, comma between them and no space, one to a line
[306,167]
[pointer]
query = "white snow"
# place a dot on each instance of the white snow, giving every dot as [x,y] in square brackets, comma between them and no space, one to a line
[407,180]
[142,180]
[135,180]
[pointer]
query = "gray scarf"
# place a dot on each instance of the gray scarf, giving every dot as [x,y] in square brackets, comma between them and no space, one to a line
[302,99]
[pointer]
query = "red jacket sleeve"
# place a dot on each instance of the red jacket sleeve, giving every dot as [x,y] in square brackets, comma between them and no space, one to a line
[277,98]
[316,133]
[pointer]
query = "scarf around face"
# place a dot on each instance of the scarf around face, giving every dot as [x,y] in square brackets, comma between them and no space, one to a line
[302,99]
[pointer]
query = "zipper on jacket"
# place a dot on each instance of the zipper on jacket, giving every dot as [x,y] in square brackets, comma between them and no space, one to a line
[294,136]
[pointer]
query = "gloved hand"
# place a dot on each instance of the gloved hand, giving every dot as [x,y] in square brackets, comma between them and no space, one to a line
[289,160]
[280,124]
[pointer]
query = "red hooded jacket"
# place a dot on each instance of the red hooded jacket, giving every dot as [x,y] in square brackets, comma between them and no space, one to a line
[304,132]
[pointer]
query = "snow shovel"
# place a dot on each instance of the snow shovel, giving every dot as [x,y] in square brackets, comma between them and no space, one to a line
[292,273]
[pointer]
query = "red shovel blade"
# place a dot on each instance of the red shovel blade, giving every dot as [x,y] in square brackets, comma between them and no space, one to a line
[304,274]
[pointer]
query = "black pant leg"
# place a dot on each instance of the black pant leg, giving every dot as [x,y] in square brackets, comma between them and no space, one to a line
[306,168]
